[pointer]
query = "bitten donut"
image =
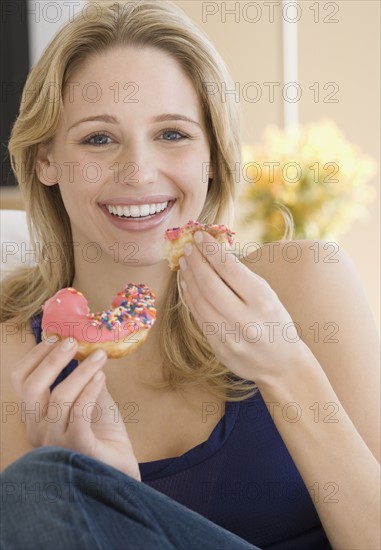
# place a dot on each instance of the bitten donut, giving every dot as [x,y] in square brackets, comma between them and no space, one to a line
[177,237]
[119,330]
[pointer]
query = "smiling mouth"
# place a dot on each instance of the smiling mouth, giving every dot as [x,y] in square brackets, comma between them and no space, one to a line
[138,212]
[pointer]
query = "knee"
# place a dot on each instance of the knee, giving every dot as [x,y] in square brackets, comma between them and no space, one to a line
[49,461]
[32,478]
[32,461]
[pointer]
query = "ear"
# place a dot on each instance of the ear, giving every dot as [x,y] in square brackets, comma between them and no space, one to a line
[47,171]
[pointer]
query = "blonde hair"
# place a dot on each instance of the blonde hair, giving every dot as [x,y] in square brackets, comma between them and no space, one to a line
[186,354]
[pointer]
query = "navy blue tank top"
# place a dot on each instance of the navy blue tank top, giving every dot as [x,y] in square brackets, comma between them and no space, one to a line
[242,478]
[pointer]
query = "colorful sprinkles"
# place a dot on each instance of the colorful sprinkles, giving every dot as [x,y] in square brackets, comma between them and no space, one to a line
[192,226]
[136,303]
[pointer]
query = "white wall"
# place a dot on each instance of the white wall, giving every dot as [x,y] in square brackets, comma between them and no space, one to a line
[45,17]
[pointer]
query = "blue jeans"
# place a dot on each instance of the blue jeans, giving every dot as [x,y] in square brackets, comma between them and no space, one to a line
[57,499]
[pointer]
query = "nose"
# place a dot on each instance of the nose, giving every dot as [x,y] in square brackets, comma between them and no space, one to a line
[137,166]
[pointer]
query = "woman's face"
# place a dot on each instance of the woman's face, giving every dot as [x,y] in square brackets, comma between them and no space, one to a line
[128,163]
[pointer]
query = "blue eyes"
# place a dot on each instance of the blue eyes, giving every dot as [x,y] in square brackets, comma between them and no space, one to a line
[100,139]
[182,136]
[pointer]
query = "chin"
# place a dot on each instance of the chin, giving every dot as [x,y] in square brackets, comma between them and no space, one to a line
[146,258]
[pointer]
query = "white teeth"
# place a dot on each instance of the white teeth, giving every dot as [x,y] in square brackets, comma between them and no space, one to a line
[137,211]
[144,210]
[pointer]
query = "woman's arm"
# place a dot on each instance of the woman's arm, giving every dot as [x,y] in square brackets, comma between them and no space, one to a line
[27,372]
[331,380]
[327,408]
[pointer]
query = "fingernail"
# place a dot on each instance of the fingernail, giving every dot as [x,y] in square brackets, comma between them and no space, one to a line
[188,249]
[51,339]
[97,355]
[198,237]
[68,344]
[182,263]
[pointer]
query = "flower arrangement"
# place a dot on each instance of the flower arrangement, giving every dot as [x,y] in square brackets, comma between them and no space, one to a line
[313,171]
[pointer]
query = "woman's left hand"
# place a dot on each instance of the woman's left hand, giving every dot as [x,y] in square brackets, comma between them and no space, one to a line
[240,315]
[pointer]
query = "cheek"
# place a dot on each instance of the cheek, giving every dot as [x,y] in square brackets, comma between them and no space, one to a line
[193,168]
[92,174]
[79,192]
[193,184]
[194,194]
[77,169]
[81,179]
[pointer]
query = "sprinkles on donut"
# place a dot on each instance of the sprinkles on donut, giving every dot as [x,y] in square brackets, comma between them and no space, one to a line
[177,237]
[118,330]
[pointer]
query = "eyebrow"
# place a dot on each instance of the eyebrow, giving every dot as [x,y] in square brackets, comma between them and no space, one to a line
[100,118]
[112,120]
[174,116]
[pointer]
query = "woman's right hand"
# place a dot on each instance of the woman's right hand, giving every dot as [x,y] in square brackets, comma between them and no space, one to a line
[79,413]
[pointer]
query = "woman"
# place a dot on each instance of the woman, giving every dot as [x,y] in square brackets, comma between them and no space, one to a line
[122,116]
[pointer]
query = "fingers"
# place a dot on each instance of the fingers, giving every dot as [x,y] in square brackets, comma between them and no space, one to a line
[75,425]
[228,266]
[65,398]
[220,291]
[214,275]
[208,292]
[70,389]
[47,414]
[59,355]
[210,300]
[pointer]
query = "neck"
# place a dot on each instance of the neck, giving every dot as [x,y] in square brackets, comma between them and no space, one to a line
[100,281]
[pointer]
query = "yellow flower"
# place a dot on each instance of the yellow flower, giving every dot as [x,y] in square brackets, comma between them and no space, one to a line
[315,171]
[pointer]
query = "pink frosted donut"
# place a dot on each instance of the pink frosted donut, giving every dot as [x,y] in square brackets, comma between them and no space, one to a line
[177,237]
[118,330]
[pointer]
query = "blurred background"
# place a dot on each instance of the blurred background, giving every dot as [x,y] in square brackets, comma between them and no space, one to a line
[307,77]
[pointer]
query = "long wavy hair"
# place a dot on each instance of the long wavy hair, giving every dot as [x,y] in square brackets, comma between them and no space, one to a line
[185,352]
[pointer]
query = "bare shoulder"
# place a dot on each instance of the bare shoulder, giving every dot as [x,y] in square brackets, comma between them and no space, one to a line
[16,341]
[318,284]
[281,262]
